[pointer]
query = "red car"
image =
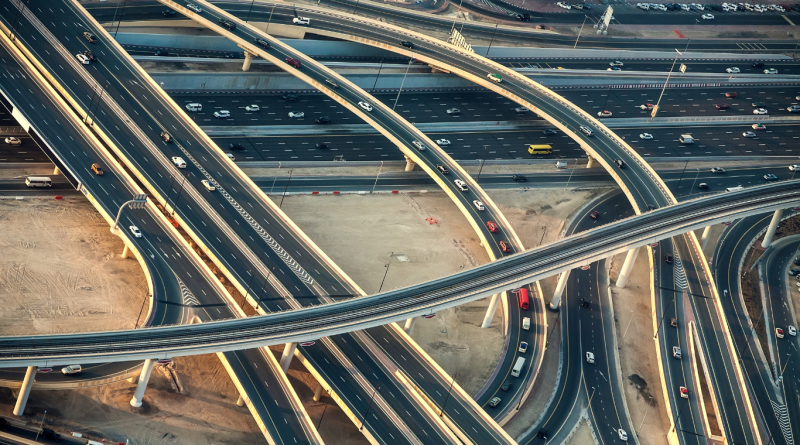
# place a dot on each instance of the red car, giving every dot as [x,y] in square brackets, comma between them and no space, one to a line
[505,247]
[722,106]
[293,62]
[731,94]
[594,214]
[684,392]
[492,226]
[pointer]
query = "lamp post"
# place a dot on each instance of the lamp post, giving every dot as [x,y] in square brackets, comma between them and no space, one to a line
[452,382]
[678,53]
[13,33]
[275,178]
[137,202]
[41,426]
[483,161]
[403,82]
[175,203]
[248,12]
[364,419]
[459,10]
[377,76]
[120,20]
[285,189]
[270,19]
[376,178]
[492,41]
[97,107]
[385,273]
[579,32]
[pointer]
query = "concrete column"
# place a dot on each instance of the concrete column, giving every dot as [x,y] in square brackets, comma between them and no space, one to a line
[144,377]
[318,393]
[409,164]
[622,280]
[56,171]
[704,237]
[240,401]
[25,391]
[487,320]
[773,225]
[248,59]
[288,353]
[410,324]
[590,162]
[562,284]
[125,252]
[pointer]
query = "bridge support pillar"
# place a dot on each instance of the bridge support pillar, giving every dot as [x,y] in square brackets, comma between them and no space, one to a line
[248,59]
[288,353]
[318,393]
[125,252]
[56,171]
[627,266]
[409,164]
[562,284]
[590,162]
[773,225]
[240,401]
[704,237]
[410,324]
[487,319]
[25,390]
[144,377]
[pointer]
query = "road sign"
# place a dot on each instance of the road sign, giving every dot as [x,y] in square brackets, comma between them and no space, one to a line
[683,68]
[429,316]
[655,110]
[164,361]
[307,343]
[44,369]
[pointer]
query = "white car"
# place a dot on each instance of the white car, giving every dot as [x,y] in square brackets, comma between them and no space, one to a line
[760,111]
[222,114]
[622,434]
[521,110]
[749,134]
[82,59]
[71,369]
[733,70]
[13,141]
[646,136]
[792,331]
[563,5]
[479,205]
[296,114]
[604,113]
[616,63]
[589,357]
[178,161]
[442,142]
[365,106]
[770,71]
[135,231]
[208,185]
[523,346]
[794,168]
[194,8]
[676,352]
[252,108]
[707,17]
[301,21]
[420,146]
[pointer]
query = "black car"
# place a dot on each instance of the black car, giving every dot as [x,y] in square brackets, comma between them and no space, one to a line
[758,64]
[236,147]
[443,169]
[323,120]
[168,13]
[759,104]
[702,186]
[550,131]
[47,433]
[506,386]
[524,17]
[227,23]
[543,434]
[262,43]
[794,272]
[290,96]
[619,163]
[161,53]
[519,178]
[90,56]
[585,303]
[322,146]
[668,259]
[407,44]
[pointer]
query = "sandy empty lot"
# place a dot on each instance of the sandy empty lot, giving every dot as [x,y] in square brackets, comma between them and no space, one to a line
[61,271]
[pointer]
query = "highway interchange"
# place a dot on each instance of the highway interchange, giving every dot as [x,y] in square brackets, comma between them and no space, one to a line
[618,101]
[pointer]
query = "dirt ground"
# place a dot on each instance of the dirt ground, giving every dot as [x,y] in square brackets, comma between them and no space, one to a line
[205,414]
[61,270]
[582,435]
[637,351]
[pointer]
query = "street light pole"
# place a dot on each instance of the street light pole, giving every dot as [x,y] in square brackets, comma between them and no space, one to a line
[385,273]
[120,20]
[376,178]
[41,426]
[275,178]
[402,82]
[285,189]
[379,75]
[485,153]
[364,419]
[579,32]
[248,12]
[137,202]
[270,19]
[667,81]
[492,41]
[452,382]
[16,21]
[459,10]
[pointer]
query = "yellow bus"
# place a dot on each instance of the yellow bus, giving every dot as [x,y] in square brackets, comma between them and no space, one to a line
[543,149]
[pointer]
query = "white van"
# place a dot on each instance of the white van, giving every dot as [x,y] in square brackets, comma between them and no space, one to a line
[301,21]
[178,161]
[518,366]
[686,139]
[71,369]
[38,181]
[526,323]
[734,189]
[561,164]
[194,107]
[230,156]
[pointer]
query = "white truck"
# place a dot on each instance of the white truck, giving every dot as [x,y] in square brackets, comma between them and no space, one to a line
[687,139]
[518,366]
